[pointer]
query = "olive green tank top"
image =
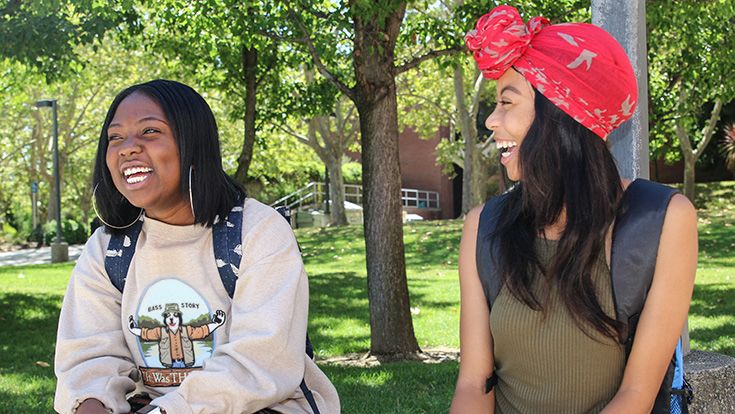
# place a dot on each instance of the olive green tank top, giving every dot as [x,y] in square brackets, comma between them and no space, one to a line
[545,363]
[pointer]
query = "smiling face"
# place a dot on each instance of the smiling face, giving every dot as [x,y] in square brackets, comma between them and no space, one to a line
[172,321]
[512,118]
[144,161]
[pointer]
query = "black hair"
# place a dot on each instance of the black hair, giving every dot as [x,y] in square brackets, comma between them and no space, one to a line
[214,193]
[565,168]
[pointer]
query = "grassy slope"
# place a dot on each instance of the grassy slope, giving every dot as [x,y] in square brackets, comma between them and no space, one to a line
[712,313]
[30,298]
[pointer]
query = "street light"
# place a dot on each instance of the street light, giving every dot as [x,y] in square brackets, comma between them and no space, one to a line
[59,249]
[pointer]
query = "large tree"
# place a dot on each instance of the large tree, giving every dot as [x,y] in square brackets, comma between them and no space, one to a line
[690,75]
[365,33]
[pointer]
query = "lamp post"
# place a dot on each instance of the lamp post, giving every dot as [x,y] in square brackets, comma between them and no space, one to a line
[59,249]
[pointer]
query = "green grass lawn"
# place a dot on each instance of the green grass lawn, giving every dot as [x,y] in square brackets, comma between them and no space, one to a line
[30,298]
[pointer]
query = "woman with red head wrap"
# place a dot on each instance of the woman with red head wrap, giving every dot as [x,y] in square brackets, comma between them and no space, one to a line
[550,341]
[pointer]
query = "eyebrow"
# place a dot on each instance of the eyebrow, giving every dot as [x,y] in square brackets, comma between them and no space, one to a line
[141,120]
[510,88]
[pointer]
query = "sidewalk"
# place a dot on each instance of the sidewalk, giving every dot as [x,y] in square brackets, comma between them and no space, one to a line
[36,256]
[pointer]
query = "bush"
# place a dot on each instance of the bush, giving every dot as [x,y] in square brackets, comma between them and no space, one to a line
[352,172]
[73,231]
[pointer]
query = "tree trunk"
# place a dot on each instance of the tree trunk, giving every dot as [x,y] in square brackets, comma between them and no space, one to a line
[475,169]
[337,214]
[391,329]
[691,154]
[250,73]
[690,163]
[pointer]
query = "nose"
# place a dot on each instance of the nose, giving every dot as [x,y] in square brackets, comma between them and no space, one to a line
[129,146]
[492,120]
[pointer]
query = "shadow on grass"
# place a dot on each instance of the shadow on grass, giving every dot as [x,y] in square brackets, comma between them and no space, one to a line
[402,387]
[714,301]
[339,313]
[718,241]
[29,325]
[714,195]
[719,339]
[337,299]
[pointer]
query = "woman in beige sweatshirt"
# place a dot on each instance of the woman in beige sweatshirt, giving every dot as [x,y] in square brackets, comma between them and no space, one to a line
[174,332]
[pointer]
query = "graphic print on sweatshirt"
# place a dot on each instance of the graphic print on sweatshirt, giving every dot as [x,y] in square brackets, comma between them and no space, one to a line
[174,327]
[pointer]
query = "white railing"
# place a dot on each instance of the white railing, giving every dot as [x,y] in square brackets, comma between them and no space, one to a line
[313,195]
[305,196]
[419,198]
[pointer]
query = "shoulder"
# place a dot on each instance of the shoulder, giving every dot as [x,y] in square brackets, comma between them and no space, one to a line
[681,209]
[680,220]
[262,221]
[96,245]
[472,219]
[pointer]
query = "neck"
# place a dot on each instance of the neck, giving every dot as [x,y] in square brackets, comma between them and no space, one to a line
[178,215]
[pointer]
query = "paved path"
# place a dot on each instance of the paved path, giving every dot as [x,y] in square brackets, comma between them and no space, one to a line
[35,256]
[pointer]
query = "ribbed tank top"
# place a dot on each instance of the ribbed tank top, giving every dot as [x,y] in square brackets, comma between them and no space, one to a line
[544,362]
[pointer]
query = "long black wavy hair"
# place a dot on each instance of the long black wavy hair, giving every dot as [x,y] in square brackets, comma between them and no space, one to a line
[195,130]
[565,168]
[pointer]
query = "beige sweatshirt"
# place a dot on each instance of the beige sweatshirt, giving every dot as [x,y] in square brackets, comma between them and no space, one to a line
[253,356]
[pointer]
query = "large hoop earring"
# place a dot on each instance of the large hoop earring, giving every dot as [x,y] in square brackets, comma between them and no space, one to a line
[191,198]
[94,207]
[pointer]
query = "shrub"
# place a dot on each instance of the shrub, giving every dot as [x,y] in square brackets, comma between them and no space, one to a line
[73,231]
[352,172]
[728,147]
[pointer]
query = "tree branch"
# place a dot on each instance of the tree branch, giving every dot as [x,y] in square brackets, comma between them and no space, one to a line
[476,93]
[309,43]
[709,129]
[449,114]
[431,55]
[84,109]
[293,133]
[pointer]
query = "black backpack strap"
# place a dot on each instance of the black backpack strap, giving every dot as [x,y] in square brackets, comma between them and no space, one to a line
[486,252]
[227,245]
[635,243]
[309,396]
[636,237]
[119,254]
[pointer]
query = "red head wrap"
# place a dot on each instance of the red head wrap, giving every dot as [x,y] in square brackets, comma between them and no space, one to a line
[579,67]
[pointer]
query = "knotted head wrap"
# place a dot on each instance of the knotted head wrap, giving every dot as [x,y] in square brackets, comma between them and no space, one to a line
[579,67]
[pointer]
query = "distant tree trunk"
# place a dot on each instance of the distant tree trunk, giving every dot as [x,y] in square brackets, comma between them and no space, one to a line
[691,154]
[391,329]
[250,73]
[337,214]
[474,174]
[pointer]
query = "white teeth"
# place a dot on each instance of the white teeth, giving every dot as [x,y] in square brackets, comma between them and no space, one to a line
[133,180]
[136,170]
[505,144]
[505,154]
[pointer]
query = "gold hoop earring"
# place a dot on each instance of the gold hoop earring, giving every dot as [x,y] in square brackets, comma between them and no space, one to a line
[94,207]
[191,198]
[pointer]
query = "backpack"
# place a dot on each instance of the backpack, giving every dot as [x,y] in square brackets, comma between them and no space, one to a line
[635,243]
[227,246]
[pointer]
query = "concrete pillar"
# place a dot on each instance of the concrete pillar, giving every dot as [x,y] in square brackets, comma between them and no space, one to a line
[626,21]
[711,375]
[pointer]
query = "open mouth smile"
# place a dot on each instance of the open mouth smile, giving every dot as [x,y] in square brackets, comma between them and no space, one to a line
[508,147]
[134,175]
